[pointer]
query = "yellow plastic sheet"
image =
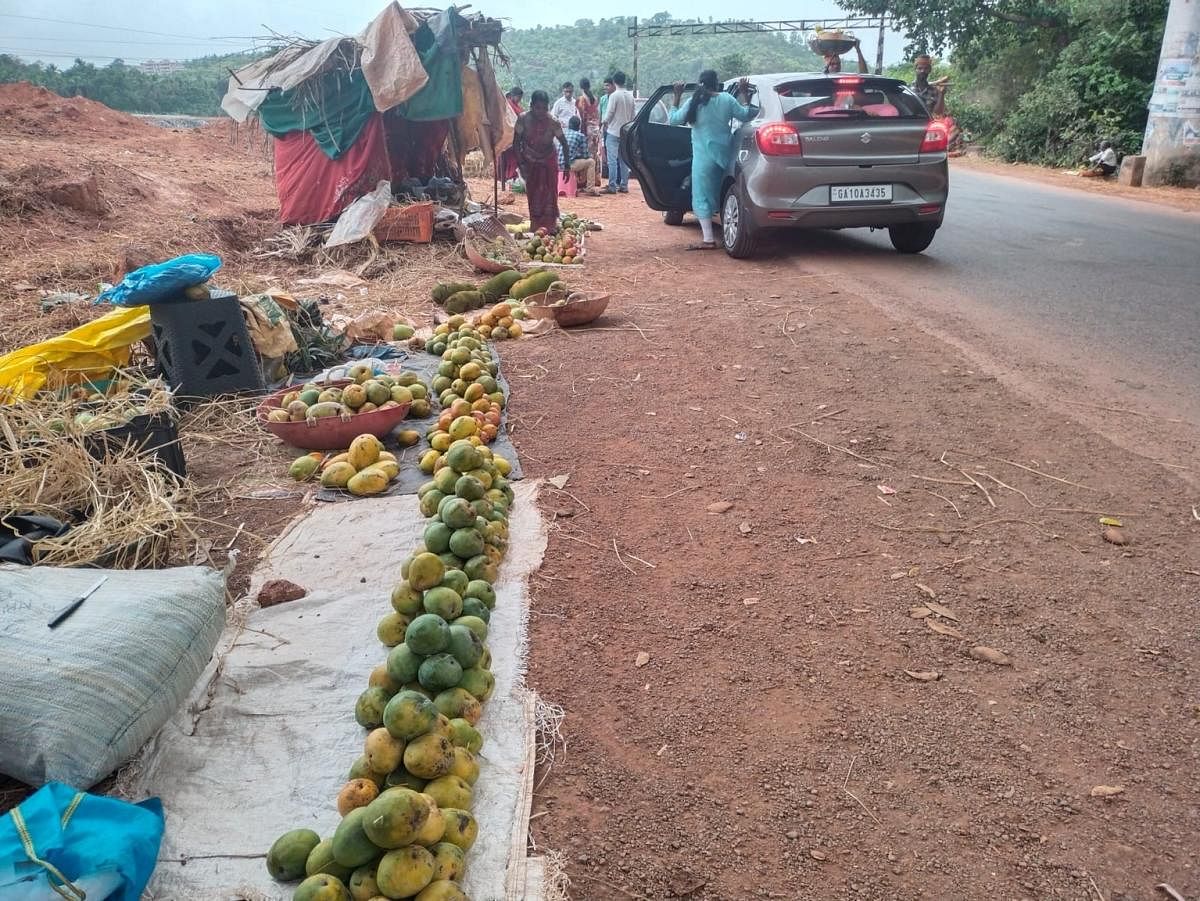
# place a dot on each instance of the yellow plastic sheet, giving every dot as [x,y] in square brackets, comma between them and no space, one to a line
[90,351]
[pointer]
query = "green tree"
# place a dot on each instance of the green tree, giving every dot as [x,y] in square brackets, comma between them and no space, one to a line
[1041,80]
[732,65]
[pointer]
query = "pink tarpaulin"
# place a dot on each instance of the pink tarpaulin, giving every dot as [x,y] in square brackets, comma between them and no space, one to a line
[313,188]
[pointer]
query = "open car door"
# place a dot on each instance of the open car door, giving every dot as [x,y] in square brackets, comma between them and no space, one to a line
[660,154]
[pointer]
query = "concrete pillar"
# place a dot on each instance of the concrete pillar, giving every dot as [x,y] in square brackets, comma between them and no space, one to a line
[1172,142]
[1132,171]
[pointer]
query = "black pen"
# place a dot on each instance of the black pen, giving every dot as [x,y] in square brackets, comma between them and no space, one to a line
[74,605]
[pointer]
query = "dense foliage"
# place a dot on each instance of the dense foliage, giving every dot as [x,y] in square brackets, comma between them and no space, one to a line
[546,57]
[1041,80]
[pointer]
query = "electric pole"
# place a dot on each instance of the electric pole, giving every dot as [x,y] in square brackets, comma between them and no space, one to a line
[1172,142]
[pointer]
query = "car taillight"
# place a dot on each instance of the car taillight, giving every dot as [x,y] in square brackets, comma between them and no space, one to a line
[936,138]
[778,139]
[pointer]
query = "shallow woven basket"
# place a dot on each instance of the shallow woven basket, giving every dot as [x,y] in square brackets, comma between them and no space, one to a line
[580,311]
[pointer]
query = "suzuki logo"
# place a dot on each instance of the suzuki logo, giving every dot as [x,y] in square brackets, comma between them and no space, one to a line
[866,137]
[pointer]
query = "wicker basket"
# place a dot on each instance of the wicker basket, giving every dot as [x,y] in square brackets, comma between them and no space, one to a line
[579,309]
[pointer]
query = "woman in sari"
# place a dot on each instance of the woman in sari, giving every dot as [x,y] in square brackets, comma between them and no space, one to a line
[533,141]
[508,159]
[709,113]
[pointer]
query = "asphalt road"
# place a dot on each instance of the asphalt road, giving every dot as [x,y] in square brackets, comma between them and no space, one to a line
[1103,293]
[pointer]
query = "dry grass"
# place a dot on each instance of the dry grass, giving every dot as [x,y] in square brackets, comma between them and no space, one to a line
[226,422]
[127,511]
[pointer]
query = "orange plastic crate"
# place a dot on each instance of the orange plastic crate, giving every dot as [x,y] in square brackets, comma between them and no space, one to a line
[412,223]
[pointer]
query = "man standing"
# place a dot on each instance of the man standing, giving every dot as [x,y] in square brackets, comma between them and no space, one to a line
[564,106]
[578,160]
[617,113]
[609,87]
[933,95]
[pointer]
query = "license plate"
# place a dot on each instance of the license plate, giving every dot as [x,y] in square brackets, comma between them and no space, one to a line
[860,194]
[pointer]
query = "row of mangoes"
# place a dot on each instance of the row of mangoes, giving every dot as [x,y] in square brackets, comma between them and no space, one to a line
[406,823]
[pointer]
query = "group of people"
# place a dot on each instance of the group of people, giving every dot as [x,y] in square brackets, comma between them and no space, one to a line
[576,137]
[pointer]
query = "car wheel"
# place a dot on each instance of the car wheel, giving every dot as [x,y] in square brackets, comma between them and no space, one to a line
[737,231]
[912,237]
[673,217]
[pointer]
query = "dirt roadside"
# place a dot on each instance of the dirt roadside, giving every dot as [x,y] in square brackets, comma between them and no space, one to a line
[1186,199]
[773,745]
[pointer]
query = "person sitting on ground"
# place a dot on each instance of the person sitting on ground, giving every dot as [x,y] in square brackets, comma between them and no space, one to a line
[833,62]
[578,162]
[709,113]
[1103,164]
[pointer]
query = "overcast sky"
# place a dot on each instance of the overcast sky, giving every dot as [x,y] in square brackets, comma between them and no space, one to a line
[136,29]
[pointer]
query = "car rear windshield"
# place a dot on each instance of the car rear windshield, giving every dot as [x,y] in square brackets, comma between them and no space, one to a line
[848,97]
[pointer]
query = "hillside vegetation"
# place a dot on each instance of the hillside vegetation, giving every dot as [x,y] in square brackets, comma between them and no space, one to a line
[195,91]
[541,58]
[546,57]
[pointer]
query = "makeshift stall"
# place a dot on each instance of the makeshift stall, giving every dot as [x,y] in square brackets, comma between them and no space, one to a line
[403,102]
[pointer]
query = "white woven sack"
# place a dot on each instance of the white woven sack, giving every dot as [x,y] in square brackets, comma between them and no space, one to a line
[80,700]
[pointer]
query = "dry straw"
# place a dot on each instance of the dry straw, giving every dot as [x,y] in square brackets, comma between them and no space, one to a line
[127,511]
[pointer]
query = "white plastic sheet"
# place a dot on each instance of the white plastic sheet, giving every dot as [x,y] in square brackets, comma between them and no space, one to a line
[358,219]
[275,734]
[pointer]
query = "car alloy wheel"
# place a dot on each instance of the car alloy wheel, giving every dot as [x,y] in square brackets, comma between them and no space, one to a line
[737,229]
[731,218]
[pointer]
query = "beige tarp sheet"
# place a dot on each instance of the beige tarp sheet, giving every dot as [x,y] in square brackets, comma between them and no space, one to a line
[389,61]
[267,739]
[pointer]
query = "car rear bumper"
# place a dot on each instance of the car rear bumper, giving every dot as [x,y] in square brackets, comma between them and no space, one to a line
[798,196]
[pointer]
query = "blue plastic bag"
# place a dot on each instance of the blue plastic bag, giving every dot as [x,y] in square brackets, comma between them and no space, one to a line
[160,282]
[65,843]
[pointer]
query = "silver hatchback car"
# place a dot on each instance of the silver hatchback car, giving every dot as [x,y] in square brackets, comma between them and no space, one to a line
[824,151]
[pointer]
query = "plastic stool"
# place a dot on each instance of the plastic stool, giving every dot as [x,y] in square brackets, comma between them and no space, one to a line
[203,347]
[567,186]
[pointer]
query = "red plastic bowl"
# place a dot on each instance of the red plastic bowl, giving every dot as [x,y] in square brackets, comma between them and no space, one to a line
[331,433]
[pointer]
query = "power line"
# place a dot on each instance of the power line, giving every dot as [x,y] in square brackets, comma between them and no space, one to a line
[11,51]
[162,34]
[29,37]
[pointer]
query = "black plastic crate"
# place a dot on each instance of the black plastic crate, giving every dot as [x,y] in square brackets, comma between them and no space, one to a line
[204,348]
[149,433]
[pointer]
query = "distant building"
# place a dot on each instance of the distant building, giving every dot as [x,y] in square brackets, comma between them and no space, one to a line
[160,66]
